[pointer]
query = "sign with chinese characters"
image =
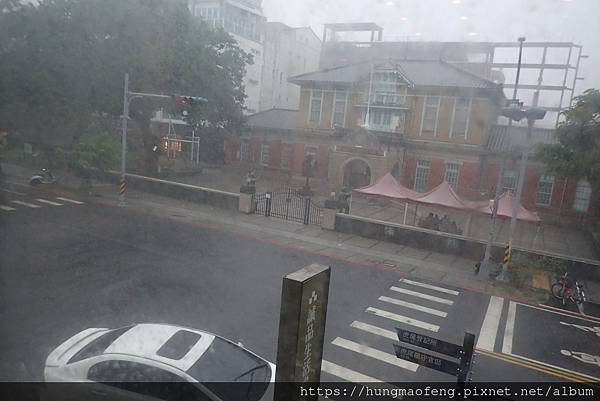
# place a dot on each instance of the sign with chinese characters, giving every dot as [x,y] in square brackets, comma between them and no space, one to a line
[301,328]
[429,361]
[463,353]
[430,343]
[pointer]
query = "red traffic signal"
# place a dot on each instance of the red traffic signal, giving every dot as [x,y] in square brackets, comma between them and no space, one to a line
[189,100]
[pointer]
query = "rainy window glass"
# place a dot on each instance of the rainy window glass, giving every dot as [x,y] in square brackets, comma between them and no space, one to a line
[427,167]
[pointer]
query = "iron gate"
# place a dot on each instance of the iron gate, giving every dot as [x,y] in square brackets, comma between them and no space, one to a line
[287,204]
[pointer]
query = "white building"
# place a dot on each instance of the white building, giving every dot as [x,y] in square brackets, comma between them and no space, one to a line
[287,52]
[244,20]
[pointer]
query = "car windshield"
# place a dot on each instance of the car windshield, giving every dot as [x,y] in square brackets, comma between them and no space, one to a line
[224,362]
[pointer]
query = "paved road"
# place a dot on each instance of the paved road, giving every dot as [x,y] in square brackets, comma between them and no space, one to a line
[69,263]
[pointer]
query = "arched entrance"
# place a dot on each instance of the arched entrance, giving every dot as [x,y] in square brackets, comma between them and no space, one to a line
[357,174]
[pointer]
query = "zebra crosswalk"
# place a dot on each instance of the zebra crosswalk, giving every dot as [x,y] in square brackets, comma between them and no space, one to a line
[365,353]
[14,205]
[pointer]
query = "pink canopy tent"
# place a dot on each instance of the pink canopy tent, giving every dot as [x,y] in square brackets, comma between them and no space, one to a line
[388,187]
[443,195]
[505,209]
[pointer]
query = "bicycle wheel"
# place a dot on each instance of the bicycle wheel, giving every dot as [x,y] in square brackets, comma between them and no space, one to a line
[557,290]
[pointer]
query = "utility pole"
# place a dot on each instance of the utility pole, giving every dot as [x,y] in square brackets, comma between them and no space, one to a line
[532,115]
[124,141]
[127,98]
[485,264]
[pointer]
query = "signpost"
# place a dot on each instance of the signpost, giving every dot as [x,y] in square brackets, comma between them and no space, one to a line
[463,353]
[301,330]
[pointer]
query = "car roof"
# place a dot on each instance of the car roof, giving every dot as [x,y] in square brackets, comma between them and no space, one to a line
[144,340]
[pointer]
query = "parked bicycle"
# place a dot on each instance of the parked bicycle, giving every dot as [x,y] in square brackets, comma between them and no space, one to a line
[567,289]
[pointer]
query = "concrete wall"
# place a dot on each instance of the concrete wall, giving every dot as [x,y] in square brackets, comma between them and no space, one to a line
[213,197]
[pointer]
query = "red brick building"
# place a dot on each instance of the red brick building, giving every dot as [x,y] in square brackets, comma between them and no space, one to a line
[425,121]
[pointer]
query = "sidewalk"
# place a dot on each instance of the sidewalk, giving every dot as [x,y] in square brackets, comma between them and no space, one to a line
[417,263]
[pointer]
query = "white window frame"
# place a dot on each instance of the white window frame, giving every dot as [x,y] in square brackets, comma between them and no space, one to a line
[336,100]
[383,114]
[458,165]
[516,178]
[417,167]
[310,106]
[578,203]
[466,133]
[546,179]
[285,146]
[265,157]
[244,151]
[437,114]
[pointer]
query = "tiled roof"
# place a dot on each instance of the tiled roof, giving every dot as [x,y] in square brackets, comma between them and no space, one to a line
[417,72]
[274,118]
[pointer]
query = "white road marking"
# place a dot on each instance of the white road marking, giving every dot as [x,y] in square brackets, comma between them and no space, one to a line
[403,319]
[12,192]
[423,296]
[509,329]
[70,200]
[375,354]
[413,306]
[369,328]
[7,208]
[582,357]
[347,374]
[49,202]
[595,329]
[489,328]
[429,286]
[31,205]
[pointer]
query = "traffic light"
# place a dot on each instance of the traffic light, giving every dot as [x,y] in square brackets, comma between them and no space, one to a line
[189,100]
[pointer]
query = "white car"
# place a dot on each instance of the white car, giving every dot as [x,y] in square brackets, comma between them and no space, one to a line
[158,361]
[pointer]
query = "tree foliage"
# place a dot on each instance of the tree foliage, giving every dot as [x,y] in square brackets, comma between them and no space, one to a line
[95,150]
[577,153]
[62,65]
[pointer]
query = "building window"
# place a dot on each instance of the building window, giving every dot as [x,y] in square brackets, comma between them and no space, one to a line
[422,175]
[583,193]
[286,156]
[265,154]
[451,177]
[509,181]
[316,101]
[244,151]
[339,108]
[460,117]
[211,15]
[382,120]
[430,114]
[385,88]
[543,197]
[312,151]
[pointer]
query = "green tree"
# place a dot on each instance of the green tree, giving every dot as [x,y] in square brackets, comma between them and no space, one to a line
[62,65]
[577,153]
[95,150]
